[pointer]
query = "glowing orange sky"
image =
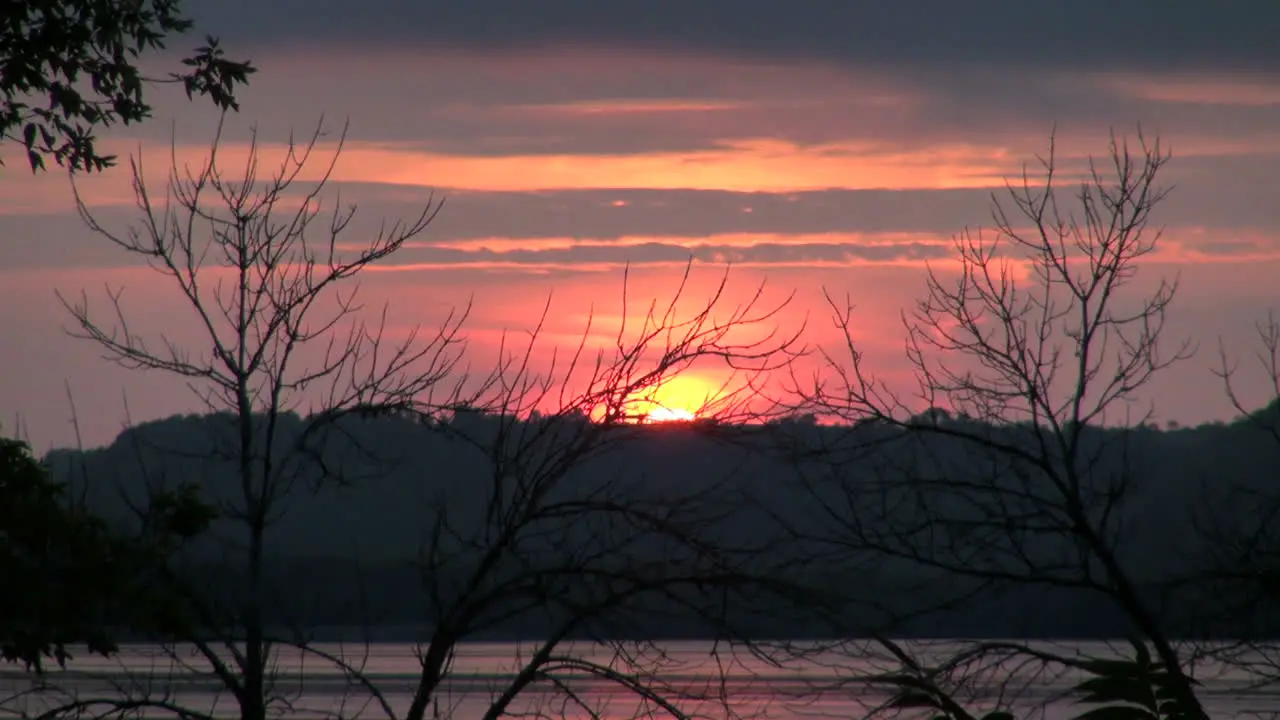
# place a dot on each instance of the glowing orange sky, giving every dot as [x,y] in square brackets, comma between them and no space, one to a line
[542,187]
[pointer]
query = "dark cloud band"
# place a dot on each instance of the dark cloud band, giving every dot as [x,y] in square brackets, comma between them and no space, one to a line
[1092,34]
[598,254]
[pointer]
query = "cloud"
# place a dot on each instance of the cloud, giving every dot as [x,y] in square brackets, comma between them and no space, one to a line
[1202,89]
[70,248]
[1201,244]
[742,165]
[615,107]
[668,251]
[1231,35]
[691,110]
[623,212]
[1214,200]
[755,164]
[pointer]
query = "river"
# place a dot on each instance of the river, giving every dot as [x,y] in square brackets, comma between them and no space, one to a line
[712,681]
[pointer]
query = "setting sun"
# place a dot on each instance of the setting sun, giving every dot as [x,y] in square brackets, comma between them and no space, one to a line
[679,399]
[665,414]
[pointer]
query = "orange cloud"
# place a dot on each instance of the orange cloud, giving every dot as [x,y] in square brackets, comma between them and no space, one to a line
[751,165]
[757,165]
[761,165]
[50,192]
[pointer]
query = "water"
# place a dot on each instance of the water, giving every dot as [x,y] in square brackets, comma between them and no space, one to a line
[703,679]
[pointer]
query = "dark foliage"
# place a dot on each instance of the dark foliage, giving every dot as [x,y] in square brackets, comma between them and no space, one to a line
[67,578]
[69,68]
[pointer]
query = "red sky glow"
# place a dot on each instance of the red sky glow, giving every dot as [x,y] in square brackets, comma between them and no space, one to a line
[560,169]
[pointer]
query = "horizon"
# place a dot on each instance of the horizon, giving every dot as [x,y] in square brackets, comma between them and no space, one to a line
[678,422]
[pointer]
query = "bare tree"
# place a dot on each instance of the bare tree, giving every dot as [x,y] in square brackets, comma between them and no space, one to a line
[267,285]
[538,528]
[1267,355]
[1232,578]
[552,526]
[1012,466]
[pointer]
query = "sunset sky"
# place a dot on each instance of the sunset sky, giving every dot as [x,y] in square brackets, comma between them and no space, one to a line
[815,144]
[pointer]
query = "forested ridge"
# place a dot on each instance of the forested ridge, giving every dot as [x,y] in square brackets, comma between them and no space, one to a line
[346,555]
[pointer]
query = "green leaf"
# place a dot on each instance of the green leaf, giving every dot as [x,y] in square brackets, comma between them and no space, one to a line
[83,65]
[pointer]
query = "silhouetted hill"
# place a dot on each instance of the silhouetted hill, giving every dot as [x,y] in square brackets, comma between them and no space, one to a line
[354,550]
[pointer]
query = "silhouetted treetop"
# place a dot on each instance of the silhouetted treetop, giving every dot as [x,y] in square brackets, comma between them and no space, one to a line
[69,68]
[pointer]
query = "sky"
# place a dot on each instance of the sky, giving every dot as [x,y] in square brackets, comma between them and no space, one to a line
[818,145]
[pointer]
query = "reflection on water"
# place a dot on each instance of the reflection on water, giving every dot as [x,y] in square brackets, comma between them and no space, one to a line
[708,680]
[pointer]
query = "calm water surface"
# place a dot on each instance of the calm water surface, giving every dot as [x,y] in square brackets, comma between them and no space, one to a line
[706,677]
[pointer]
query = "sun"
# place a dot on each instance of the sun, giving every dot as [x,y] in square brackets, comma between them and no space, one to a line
[682,398]
[669,415]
